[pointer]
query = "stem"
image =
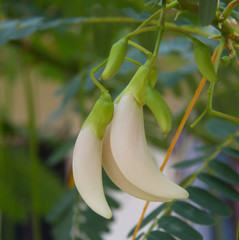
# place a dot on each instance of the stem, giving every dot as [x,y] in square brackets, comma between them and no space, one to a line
[133,61]
[223,115]
[142,49]
[159,36]
[142,30]
[140,220]
[228,10]
[180,31]
[220,50]
[36,222]
[179,130]
[156,14]
[199,118]
[93,71]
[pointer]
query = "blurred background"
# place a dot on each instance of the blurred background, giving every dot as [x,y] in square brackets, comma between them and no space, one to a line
[47,51]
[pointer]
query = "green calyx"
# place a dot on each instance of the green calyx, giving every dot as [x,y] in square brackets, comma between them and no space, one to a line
[159,108]
[138,83]
[101,115]
[153,77]
[116,58]
[203,60]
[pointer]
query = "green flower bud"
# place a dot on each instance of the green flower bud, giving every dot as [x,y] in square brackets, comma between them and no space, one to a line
[116,58]
[159,108]
[101,115]
[225,61]
[203,60]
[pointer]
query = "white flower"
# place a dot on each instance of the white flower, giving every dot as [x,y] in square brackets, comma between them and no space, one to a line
[117,176]
[131,153]
[87,171]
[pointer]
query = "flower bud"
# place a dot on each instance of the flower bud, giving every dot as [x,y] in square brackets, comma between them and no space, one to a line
[203,60]
[159,108]
[116,58]
[225,61]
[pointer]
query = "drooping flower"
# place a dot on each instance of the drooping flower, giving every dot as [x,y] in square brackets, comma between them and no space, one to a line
[117,177]
[131,153]
[87,157]
[87,171]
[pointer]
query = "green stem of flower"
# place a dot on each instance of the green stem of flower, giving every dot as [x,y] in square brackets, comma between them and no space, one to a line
[198,119]
[142,49]
[142,30]
[133,61]
[33,156]
[156,14]
[97,83]
[223,115]
[161,29]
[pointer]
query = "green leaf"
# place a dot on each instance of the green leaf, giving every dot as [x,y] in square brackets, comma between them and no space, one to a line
[60,152]
[50,190]
[206,200]
[71,89]
[62,206]
[222,187]
[224,171]
[220,128]
[188,163]
[230,152]
[178,228]
[192,213]
[10,205]
[207,10]
[156,235]
[27,27]
[149,218]
[5,34]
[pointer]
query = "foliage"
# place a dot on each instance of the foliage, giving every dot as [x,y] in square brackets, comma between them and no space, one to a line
[62,43]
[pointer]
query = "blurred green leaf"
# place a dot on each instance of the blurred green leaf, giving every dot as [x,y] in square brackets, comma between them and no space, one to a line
[206,200]
[188,163]
[60,153]
[178,228]
[10,205]
[156,235]
[50,190]
[230,152]
[207,10]
[26,28]
[192,213]
[220,128]
[225,172]
[64,204]
[5,34]
[220,186]
[149,218]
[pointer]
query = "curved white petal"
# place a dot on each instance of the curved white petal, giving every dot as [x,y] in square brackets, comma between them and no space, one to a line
[131,153]
[118,178]
[87,171]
